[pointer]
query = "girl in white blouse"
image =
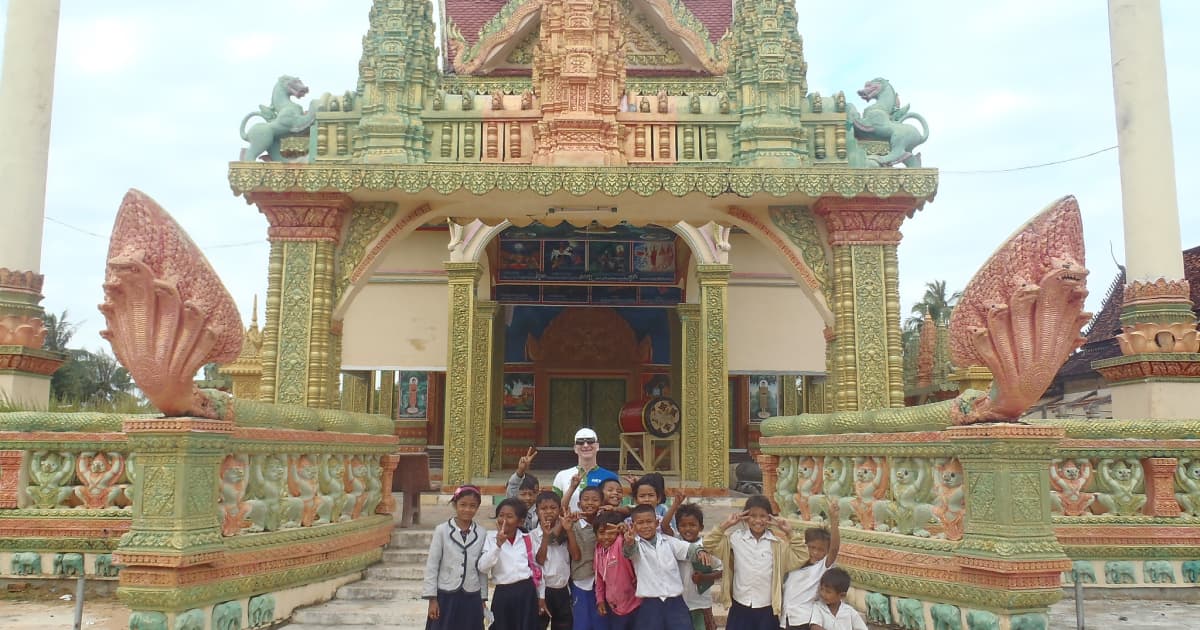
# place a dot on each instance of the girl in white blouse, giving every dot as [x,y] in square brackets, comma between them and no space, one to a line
[508,555]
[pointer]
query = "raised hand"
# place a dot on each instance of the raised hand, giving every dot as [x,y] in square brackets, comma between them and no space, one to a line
[680,495]
[833,511]
[627,532]
[784,526]
[733,519]
[501,532]
[706,559]
[525,461]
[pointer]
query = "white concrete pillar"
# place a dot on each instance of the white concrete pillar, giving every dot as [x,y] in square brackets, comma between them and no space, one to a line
[26,96]
[1151,211]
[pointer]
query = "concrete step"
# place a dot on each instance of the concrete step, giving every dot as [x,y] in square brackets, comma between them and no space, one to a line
[380,589]
[406,556]
[340,614]
[396,572]
[411,539]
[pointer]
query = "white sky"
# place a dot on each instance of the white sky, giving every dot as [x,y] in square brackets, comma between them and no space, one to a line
[149,95]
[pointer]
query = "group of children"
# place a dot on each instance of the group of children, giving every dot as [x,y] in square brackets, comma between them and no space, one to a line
[605,566]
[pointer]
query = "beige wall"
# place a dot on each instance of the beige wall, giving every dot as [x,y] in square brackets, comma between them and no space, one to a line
[773,327]
[399,319]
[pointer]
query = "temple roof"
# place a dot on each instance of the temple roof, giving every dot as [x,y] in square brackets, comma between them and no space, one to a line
[470,18]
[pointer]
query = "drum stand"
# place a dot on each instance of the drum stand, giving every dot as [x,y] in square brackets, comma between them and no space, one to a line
[650,452]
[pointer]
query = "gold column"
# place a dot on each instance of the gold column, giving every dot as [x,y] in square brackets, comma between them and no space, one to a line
[689,387]
[298,344]
[789,396]
[458,448]
[714,415]
[867,360]
[387,393]
[356,391]
[482,395]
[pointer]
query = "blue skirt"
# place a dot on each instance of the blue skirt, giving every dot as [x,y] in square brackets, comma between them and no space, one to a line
[460,610]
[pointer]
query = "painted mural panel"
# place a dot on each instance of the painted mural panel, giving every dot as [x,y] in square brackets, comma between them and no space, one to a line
[763,396]
[564,253]
[520,260]
[609,260]
[518,396]
[413,396]
[654,261]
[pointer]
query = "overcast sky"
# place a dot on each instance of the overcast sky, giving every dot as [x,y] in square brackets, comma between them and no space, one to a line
[150,94]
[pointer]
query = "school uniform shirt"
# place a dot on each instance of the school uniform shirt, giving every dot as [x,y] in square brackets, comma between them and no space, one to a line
[453,561]
[846,618]
[615,581]
[508,562]
[556,571]
[583,572]
[800,594]
[692,596]
[656,561]
[746,581]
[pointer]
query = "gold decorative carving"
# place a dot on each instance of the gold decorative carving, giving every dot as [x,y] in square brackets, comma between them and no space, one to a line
[714,286]
[690,390]
[458,449]
[303,217]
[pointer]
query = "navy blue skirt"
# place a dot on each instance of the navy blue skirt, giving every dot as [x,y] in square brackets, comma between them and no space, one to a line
[460,610]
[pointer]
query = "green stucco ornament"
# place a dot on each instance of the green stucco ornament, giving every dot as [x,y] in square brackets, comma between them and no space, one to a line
[282,117]
[884,120]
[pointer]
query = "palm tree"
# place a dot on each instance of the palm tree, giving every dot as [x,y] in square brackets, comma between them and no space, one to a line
[936,303]
[59,331]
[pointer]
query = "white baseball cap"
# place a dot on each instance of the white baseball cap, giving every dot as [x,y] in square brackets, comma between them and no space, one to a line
[586,433]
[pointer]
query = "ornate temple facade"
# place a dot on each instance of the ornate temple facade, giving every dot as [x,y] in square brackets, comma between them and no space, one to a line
[568,205]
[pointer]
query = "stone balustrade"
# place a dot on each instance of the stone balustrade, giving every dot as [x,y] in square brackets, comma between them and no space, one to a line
[980,526]
[207,523]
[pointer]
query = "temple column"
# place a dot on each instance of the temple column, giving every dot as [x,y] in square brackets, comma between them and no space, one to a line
[298,339]
[483,329]
[1158,375]
[26,97]
[866,364]
[456,468]
[387,394]
[690,390]
[714,375]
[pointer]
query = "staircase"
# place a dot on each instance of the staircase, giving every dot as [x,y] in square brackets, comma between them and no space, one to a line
[388,598]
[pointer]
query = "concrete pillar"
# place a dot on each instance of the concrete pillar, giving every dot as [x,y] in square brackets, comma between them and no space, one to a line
[1158,375]
[26,96]
[1151,211]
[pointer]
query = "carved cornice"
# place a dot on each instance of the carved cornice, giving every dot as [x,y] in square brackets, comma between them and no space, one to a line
[30,360]
[22,330]
[861,221]
[303,217]
[910,187]
[1158,292]
[1168,365]
[23,281]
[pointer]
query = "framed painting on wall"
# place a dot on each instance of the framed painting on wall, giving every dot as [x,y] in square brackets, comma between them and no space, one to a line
[763,396]
[518,396]
[413,396]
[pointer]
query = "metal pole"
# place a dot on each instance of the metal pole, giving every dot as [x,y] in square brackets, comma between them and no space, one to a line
[1078,600]
[79,603]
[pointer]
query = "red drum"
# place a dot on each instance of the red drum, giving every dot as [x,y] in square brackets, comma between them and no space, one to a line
[658,416]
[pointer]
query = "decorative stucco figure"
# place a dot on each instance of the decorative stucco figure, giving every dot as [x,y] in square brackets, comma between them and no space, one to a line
[234,509]
[808,484]
[282,117]
[1121,480]
[1068,477]
[98,473]
[167,312]
[49,474]
[1187,482]
[949,505]
[870,475]
[884,120]
[911,509]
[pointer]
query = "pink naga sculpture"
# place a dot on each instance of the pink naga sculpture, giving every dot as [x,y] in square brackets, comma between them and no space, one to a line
[167,312]
[1019,316]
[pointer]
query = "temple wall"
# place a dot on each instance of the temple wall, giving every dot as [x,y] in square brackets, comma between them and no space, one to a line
[773,326]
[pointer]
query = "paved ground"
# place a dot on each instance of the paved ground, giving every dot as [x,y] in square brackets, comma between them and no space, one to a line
[108,614]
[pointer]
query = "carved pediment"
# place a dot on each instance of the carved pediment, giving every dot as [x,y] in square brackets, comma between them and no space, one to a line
[658,34]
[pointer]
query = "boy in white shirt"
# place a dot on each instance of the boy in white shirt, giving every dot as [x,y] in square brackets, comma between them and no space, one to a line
[656,559]
[832,612]
[800,587]
[550,541]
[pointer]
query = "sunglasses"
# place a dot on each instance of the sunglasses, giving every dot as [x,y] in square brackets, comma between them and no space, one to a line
[583,441]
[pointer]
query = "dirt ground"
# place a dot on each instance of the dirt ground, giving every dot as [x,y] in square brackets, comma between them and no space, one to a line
[98,614]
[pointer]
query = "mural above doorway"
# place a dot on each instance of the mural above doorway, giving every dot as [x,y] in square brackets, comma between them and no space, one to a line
[565,253]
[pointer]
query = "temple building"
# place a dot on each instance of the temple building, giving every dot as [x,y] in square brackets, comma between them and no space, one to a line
[567,207]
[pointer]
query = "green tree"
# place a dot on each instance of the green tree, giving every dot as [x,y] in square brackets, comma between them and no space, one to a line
[59,331]
[87,379]
[936,303]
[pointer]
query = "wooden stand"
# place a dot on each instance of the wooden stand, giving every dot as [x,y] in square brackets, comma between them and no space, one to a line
[411,478]
[644,448]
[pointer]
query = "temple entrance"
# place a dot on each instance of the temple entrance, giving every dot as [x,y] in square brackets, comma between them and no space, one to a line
[589,325]
[585,402]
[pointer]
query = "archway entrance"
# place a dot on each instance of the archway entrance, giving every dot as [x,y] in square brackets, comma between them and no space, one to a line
[589,324]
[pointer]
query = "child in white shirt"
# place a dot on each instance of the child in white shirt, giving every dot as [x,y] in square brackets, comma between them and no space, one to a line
[800,587]
[832,612]
[550,541]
